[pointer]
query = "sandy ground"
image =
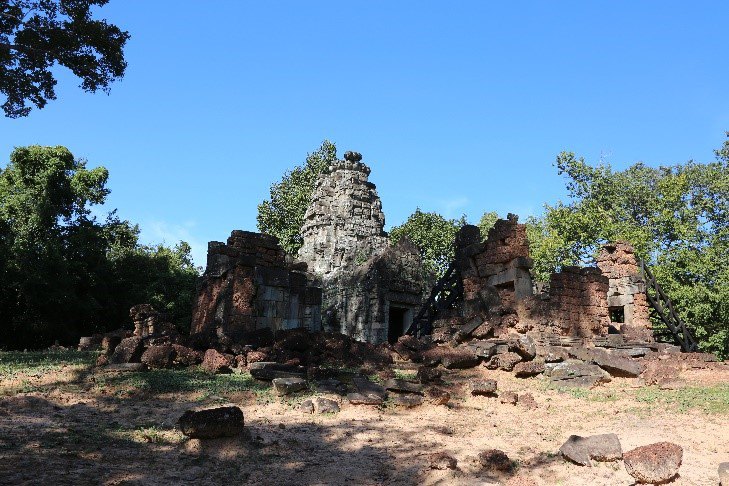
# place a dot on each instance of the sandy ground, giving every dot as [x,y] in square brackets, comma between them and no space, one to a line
[73,433]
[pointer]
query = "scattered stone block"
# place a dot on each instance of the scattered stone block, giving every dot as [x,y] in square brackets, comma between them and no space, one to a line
[603,447]
[325,405]
[442,460]
[505,361]
[524,346]
[574,373]
[655,463]
[211,423]
[185,356]
[508,397]
[331,386]
[437,396]
[428,375]
[366,388]
[615,365]
[461,358]
[525,369]
[407,400]
[268,370]
[286,386]
[402,386]
[482,387]
[362,399]
[495,460]
[159,357]
[217,362]
[129,350]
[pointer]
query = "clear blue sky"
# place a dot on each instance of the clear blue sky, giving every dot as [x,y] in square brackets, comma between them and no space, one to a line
[458,107]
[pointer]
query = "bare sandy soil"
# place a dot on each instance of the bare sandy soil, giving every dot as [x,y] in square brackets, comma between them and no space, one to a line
[74,425]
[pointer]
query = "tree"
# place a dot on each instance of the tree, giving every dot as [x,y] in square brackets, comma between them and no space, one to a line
[283,214]
[35,35]
[487,221]
[63,273]
[433,235]
[676,217]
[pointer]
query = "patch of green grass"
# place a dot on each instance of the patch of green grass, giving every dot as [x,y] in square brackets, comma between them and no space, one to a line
[709,399]
[184,380]
[593,395]
[405,374]
[13,363]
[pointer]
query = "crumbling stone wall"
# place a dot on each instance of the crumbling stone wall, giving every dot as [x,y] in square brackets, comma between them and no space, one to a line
[364,278]
[497,287]
[248,285]
[626,293]
[578,302]
[149,322]
[344,222]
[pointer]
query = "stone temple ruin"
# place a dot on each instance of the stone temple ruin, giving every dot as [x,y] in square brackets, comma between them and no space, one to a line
[348,278]
[371,288]
[498,296]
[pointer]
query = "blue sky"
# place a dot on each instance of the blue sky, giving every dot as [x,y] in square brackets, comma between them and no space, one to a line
[458,107]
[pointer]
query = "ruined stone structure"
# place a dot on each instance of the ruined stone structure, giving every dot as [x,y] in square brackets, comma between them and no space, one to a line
[626,299]
[248,285]
[371,289]
[344,223]
[497,288]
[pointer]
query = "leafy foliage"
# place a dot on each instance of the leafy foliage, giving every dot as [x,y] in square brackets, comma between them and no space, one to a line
[487,221]
[36,35]
[63,273]
[283,214]
[676,217]
[433,235]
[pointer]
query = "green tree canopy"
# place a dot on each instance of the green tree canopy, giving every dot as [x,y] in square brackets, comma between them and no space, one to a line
[487,221]
[676,217]
[433,235]
[35,35]
[283,214]
[64,274]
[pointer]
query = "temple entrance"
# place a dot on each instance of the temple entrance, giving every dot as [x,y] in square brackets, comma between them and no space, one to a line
[396,322]
[617,314]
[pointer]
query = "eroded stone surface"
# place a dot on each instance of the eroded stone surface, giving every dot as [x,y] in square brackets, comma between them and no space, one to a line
[655,463]
[603,447]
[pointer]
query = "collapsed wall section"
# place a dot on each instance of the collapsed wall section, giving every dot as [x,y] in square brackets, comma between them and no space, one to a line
[248,285]
[626,296]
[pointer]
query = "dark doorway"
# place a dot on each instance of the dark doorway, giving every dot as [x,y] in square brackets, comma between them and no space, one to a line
[395,324]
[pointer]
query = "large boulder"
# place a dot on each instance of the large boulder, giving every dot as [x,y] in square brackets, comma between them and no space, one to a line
[217,362]
[655,463]
[211,423]
[129,350]
[603,447]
